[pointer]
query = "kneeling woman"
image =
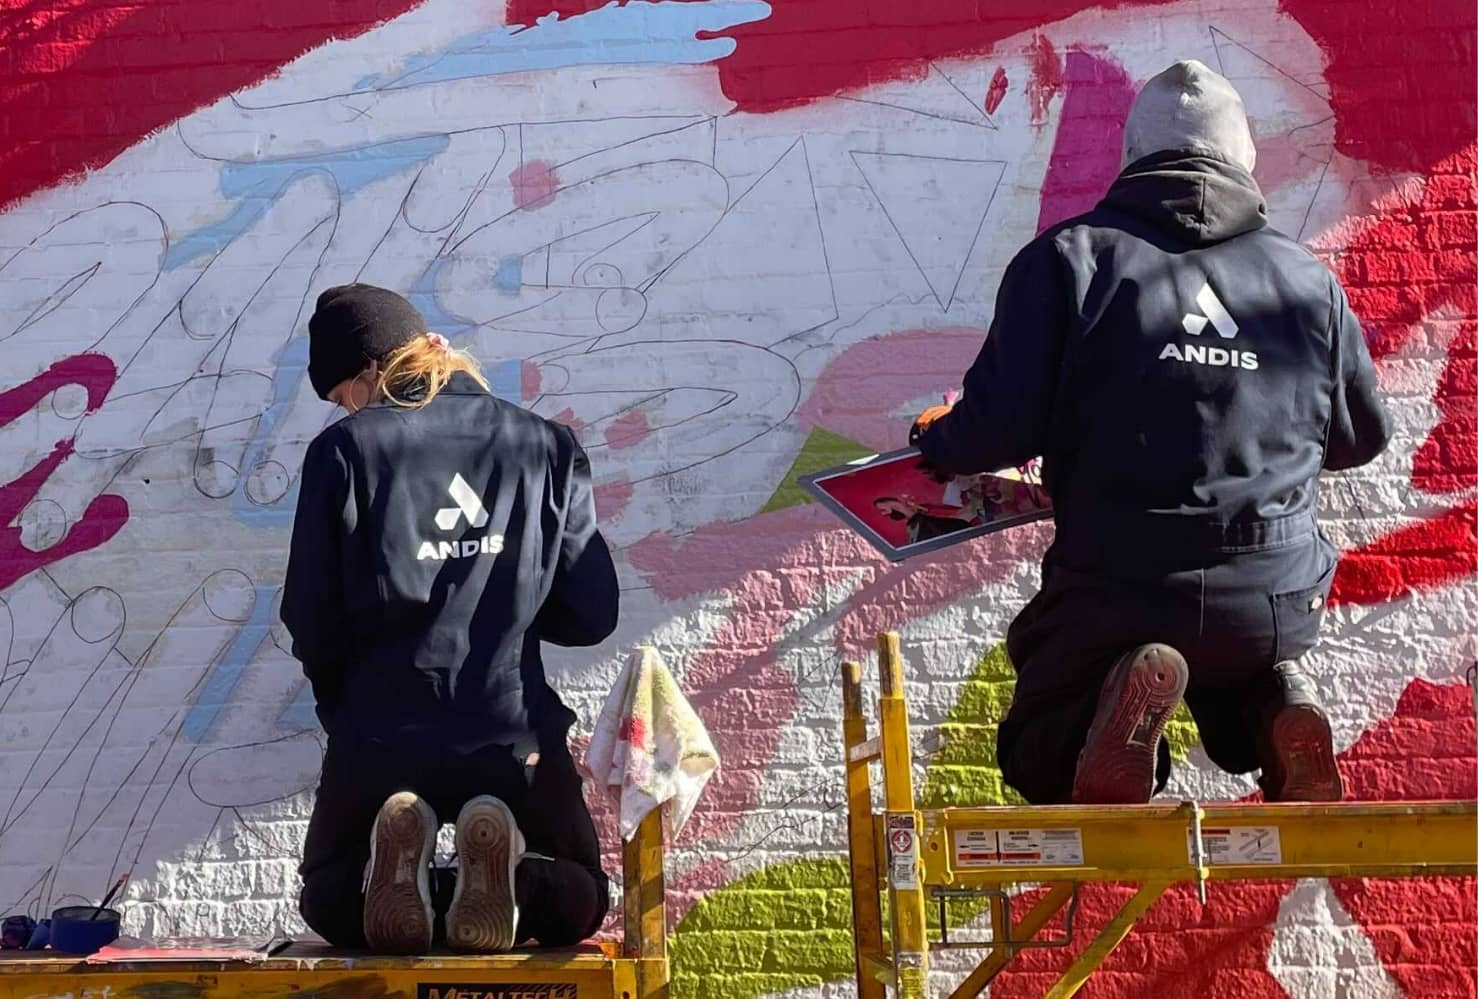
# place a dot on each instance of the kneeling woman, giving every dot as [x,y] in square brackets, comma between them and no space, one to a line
[441,535]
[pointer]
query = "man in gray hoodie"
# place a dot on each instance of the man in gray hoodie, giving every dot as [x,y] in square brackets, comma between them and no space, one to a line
[1185,372]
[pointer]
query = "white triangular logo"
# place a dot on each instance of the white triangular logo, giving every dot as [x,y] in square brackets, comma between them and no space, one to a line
[469,505]
[1215,314]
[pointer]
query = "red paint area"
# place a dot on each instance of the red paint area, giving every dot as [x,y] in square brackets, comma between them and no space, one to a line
[104,516]
[1425,556]
[1421,928]
[997,92]
[1088,151]
[775,65]
[534,184]
[86,79]
[1447,462]
[1412,256]
[628,430]
[1179,948]
[83,80]
[1402,88]
[1046,77]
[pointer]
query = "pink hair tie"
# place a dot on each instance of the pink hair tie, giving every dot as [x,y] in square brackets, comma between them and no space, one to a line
[440,341]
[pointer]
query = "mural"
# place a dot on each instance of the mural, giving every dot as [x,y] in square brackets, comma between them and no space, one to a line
[730,242]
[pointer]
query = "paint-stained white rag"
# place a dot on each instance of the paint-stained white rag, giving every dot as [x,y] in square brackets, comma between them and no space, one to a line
[650,746]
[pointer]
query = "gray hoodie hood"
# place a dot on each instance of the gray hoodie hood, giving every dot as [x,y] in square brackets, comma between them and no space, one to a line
[1191,108]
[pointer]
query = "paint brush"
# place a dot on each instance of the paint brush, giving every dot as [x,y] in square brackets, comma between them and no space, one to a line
[108,897]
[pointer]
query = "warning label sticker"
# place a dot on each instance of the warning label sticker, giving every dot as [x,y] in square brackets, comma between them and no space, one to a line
[903,851]
[1236,845]
[1018,847]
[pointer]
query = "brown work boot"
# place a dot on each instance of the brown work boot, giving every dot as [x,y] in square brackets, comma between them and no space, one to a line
[1117,764]
[397,896]
[1295,743]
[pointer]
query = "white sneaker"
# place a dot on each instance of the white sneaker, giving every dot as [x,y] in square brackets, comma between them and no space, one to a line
[398,915]
[484,912]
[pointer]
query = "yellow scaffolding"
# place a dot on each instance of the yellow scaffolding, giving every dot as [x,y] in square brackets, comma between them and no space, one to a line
[635,969]
[938,854]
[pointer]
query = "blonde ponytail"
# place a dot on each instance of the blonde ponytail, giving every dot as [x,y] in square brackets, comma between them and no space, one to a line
[423,367]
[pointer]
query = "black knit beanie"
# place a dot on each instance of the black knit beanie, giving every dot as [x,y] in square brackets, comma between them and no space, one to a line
[353,325]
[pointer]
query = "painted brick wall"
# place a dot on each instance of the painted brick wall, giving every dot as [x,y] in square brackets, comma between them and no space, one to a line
[729,241]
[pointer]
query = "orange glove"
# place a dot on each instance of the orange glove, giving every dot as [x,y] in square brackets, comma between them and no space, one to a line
[925,420]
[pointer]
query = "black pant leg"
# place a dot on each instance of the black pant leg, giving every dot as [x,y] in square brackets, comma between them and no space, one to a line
[1063,646]
[1228,726]
[1038,742]
[564,894]
[353,786]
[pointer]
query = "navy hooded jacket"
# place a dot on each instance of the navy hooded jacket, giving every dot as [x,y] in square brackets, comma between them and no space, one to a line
[434,549]
[1184,371]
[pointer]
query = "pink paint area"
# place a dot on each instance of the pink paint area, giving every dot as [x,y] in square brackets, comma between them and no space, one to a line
[628,430]
[863,394]
[104,516]
[895,596]
[1286,154]
[566,417]
[534,184]
[612,499]
[1046,77]
[767,569]
[1088,150]
[772,568]
[997,91]
[530,380]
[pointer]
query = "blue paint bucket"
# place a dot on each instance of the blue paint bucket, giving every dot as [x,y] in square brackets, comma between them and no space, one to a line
[74,931]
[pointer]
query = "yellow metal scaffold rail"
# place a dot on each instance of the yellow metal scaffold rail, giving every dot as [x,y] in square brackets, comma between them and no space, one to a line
[636,968]
[938,854]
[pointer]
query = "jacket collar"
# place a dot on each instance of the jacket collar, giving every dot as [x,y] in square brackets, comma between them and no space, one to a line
[1196,195]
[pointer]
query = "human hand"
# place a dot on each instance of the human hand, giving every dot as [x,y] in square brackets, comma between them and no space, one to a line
[928,416]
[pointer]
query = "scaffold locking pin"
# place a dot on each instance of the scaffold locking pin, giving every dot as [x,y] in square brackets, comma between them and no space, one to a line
[1198,854]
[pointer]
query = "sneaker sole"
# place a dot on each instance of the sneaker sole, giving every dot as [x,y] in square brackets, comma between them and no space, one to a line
[483,915]
[1303,747]
[1117,764]
[398,916]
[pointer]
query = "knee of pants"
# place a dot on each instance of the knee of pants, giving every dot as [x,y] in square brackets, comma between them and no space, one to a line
[567,908]
[1234,753]
[1039,780]
[332,913]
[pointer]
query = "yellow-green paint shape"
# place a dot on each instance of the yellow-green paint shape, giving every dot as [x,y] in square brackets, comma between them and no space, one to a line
[785,927]
[822,450]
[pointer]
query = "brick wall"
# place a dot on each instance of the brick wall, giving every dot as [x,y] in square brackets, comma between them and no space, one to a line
[730,242]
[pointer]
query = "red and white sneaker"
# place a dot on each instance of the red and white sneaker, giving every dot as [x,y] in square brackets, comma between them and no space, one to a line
[1117,764]
[1296,744]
